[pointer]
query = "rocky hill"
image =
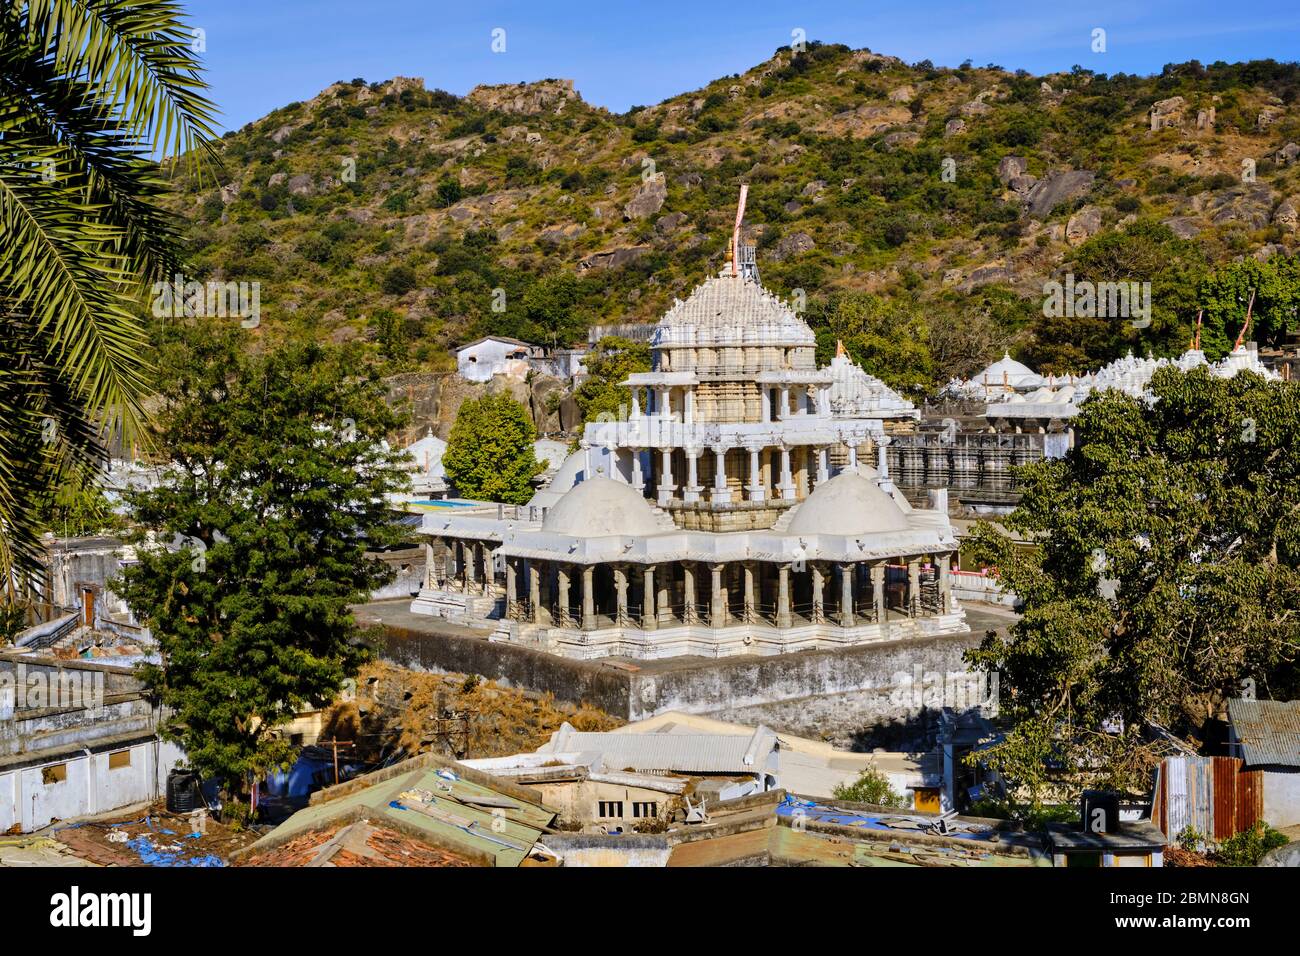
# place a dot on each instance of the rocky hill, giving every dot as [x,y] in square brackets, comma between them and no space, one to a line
[413,219]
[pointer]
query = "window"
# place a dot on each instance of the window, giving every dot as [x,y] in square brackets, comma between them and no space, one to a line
[611,809]
[118,760]
[646,809]
[55,773]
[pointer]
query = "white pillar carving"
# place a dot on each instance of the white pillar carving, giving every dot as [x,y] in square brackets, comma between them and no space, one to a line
[756,490]
[721,493]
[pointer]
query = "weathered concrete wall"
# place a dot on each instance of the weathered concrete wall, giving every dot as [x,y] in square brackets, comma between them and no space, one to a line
[629,849]
[821,694]
[574,681]
[876,674]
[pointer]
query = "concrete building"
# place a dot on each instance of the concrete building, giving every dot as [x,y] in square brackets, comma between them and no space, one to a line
[76,739]
[493,355]
[738,513]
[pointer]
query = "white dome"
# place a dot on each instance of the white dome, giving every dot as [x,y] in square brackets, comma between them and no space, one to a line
[1007,371]
[601,508]
[848,504]
[728,310]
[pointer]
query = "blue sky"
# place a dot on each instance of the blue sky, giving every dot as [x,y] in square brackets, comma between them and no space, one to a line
[264,54]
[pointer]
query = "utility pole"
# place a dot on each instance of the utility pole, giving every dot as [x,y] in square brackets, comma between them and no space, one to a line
[336,744]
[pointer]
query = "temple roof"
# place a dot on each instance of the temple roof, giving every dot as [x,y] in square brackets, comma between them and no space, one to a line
[602,507]
[848,504]
[731,310]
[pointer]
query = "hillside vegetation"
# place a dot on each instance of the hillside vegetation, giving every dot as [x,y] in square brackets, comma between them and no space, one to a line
[413,219]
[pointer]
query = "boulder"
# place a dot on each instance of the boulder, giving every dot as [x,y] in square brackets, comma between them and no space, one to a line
[1009,167]
[904,94]
[954,127]
[792,245]
[1083,225]
[667,225]
[1252,206]
[986,275]
[1056,188]
[276,179]
[611,258]
[302,185]
[1288,154]
[1286,216]
[649,199]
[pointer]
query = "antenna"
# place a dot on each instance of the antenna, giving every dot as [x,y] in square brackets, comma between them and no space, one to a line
[735,233]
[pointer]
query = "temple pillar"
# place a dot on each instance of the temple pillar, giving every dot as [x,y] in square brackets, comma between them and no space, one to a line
[636,402]
[649,618]
[818,586]
[471,565]
[689,614]
[429,571]
[588,597]
[489,577]
[666,486]
[756,490]
[721,493]
[638,480]
[535,590]
[878,596]
[846,595]
[913,587]
[512,600]
[620,588]
[688,405]
[945,583]
[787,479]
[693,487]
[664,599]
[718,602]
[748,602]
[587,461]
[853,455]
[784,617]
[823,465]
[785,403]
[562,575]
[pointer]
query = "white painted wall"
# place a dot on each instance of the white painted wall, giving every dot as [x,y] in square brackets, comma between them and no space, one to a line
[90,786]
[480,362]
[1281,798]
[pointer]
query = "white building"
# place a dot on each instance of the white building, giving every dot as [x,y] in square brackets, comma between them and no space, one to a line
[494,355]
[731,513]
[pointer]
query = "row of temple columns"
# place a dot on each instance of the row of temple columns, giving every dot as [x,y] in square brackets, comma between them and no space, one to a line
[549,590]
[459,565]
[809,399]
[817,456]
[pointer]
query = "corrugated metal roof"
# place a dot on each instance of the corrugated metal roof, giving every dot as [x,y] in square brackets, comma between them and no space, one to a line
[1269,731]
[678,753]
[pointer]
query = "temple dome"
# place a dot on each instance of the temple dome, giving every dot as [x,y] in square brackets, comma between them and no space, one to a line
[848,504]
[601,508]
[1006,371]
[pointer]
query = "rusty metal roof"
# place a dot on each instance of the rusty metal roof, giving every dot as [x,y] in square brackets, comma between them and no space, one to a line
[1268,730]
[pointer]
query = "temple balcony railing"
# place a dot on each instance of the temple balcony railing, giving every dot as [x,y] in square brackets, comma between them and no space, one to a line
[668,431]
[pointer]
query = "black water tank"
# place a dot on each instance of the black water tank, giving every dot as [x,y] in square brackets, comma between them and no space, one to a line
[183,793]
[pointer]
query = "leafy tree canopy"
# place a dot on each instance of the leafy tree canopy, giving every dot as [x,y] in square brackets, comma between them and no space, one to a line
[889,338]
[1225,294]
[1164,573]
[258,540]
[608,366]
[489,455]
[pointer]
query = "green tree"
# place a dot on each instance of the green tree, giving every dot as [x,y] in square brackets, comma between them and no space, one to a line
[276,493]
[1225,294]
[872,786]
[552,308]
[87,88]
[1164,574]
[608,365]
[889,338]
[489,455]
